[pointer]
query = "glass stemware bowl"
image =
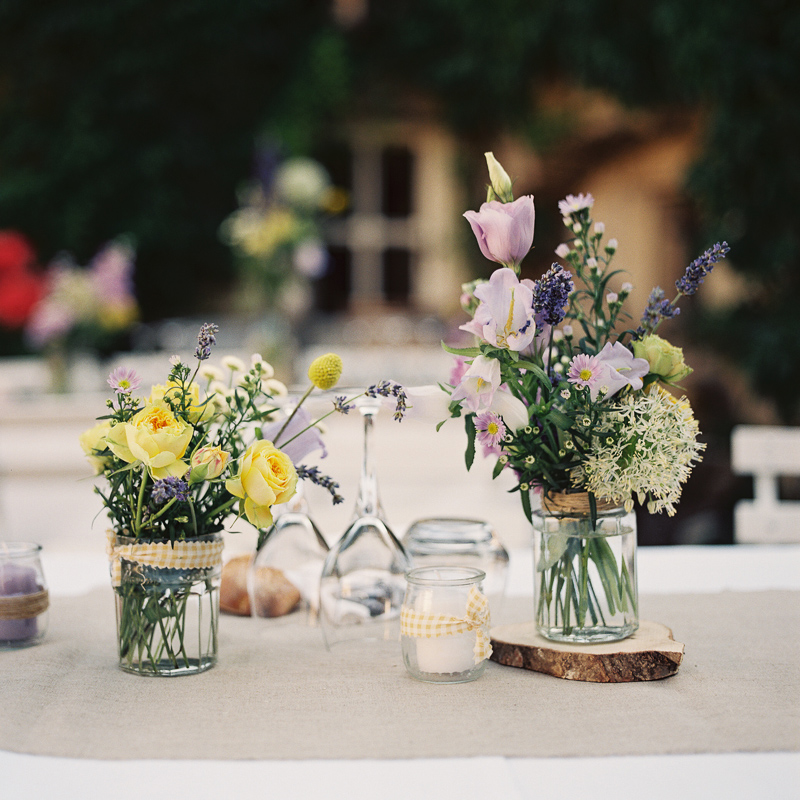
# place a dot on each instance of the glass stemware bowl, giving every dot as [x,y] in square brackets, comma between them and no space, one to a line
[294,551]
[362,583]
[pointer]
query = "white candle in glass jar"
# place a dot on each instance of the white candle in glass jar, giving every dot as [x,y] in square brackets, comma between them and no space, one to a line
[444,654]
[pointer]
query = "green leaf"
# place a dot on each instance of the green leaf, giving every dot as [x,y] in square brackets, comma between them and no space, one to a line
[498,468]
[466,352]
[469,425]
[526,505]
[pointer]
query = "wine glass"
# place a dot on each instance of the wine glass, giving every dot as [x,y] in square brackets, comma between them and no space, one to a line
[284,574]
[362,583]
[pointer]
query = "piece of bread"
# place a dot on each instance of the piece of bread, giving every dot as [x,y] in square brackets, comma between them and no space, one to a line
[275,595]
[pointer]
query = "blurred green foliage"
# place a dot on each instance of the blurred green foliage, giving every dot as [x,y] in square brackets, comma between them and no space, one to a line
[140,116]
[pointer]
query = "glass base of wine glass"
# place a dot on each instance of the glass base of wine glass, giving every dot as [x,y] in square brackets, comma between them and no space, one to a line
[363,584]
[288,566]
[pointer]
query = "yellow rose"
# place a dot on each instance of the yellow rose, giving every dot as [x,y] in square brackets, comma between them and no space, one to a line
[195,410]
[666,360]
[266,477]
[154,436]
[208,463]
[94,445]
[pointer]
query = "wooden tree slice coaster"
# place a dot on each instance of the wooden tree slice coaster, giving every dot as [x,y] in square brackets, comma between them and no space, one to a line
[649,655]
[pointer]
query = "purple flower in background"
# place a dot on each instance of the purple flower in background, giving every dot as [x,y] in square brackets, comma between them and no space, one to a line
[165,489]
[112,273]
[123,380]
[551,294]
[504,230]
[306,441]
[205,340]
[504,317]
[700,267]
[458,370]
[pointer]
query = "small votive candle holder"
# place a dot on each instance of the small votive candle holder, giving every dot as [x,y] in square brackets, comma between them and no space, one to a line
[444,624]
[24,598]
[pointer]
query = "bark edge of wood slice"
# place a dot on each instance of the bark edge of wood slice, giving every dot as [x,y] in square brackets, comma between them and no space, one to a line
[649,655]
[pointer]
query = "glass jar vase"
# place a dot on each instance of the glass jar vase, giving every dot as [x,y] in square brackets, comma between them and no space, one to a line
[167,603]
[444,624]
[24,598]
[585,588]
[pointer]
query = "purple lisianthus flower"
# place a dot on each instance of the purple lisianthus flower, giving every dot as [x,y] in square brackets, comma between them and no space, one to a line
[622,368]
[479,384]
[504,317]
[504,230]
[306,441]
[489,429]
[123,380]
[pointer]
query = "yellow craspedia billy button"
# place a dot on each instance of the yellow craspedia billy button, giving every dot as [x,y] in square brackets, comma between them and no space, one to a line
[325,371]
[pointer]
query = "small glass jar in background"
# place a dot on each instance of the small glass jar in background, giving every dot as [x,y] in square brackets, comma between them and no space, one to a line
[23,595]
[454,542]
[444,624]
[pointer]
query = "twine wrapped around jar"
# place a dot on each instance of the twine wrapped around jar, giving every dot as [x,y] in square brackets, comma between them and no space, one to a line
[574,503]
[24,606]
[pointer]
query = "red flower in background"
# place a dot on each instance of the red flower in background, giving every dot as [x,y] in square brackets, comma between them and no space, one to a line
[21,287]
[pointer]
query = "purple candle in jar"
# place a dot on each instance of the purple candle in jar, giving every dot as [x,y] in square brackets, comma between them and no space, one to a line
[17,581]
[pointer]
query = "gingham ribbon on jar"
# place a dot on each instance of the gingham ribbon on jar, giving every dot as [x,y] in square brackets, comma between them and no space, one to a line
[434,626]
[164,555]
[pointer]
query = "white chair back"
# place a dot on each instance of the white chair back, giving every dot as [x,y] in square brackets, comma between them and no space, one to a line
[766,452]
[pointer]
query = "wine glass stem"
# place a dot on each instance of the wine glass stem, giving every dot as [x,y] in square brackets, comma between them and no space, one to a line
[368,503]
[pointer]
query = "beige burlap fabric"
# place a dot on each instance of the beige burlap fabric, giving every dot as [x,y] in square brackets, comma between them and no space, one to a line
[278,694]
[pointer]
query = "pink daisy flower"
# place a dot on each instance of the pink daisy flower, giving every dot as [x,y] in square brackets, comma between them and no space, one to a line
[585,370]
[123,380]
[490,429]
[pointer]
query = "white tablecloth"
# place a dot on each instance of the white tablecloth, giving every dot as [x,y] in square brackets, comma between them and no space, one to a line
[662,570]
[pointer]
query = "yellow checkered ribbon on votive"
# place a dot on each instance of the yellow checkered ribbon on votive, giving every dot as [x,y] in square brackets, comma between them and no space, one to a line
[434,626]
[164,555]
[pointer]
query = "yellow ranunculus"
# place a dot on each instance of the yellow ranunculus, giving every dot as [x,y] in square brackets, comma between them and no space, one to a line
[93,443]
[666,360]
[266,477]
[197,411]
[154,436]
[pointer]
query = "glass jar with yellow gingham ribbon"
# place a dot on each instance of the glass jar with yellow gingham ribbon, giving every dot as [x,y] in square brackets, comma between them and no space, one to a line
[444,624]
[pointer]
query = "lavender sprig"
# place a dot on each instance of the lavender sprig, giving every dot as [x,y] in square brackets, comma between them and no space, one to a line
[325,481]
[341,405]
[658,308]
[205,340]
[551,295]
[700,267]
[169,488]
[390,389]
